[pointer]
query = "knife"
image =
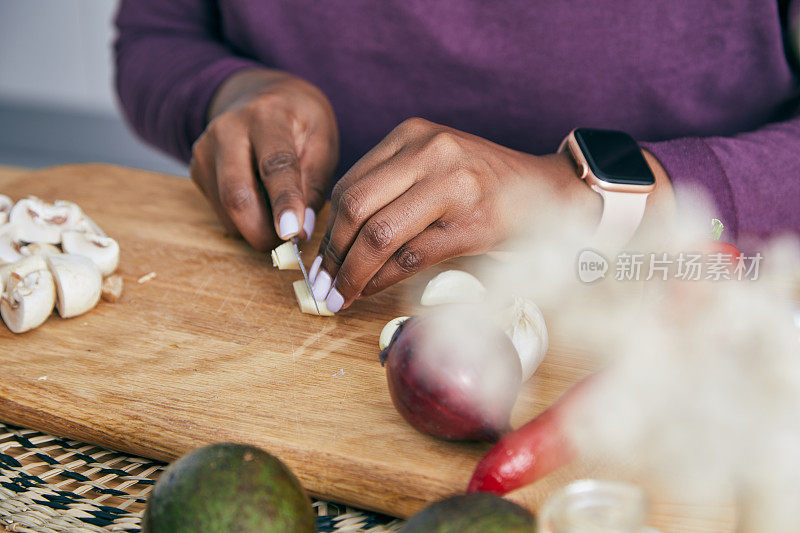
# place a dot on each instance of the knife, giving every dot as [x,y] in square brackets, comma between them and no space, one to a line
[303,270]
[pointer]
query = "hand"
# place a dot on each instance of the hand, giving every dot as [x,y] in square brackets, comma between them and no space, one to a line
[427,193]
[266,158]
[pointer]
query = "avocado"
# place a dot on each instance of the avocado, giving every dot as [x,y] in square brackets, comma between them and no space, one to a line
[472,513]
[228,488]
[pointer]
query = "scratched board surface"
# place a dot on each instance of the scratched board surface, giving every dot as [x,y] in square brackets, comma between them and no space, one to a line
[215,349]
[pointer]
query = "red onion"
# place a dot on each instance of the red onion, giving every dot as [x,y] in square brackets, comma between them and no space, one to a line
[453,375]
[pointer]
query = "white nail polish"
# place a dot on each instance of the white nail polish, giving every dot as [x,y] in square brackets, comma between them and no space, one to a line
[287,225]
[312,272]
[309,221]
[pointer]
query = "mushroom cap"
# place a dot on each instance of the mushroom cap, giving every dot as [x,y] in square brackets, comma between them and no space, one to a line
[38,221]
[78,283]
[103,251]
[28,300]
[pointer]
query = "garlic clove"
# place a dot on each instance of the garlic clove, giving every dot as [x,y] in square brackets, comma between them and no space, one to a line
[284,257]
[38,221]
[306,300]
[112,288]
[387,333]
[5,206]
[27,300]
[78,283]
[453,286]
[524,324]
[103,251]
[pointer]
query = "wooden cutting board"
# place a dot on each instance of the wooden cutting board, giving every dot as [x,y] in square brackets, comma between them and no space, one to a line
[215,349]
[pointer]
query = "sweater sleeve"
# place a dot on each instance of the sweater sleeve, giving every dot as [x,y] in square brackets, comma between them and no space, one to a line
[170,61]
[753,178]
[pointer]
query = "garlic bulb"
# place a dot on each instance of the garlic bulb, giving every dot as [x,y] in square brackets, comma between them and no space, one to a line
[524,323]
[453,287]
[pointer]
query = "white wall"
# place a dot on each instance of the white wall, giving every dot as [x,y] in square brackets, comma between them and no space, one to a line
[57,52]
[57,100]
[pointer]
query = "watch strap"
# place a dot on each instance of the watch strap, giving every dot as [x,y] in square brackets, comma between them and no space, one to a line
[622,214]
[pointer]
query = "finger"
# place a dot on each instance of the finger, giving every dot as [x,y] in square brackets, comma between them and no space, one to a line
[240,196]
[319,155]
[380,237]
[203,174]
[386,150]
[354,206]
[435,244]
[318,159]
[354,174]
[279,171]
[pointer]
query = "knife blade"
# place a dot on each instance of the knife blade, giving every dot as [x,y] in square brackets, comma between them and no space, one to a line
[303,270]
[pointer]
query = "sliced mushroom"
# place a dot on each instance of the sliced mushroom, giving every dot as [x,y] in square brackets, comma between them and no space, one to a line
[451,287]
[28,300]
[104,251]
[78,283]
[5,207]
[23,267]
[284,257]
[84,224]
[39,248]
[112,288]
[38,221]
[306,300]
[10,244]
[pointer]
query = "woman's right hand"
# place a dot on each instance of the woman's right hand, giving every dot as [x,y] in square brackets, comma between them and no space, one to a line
[273,129]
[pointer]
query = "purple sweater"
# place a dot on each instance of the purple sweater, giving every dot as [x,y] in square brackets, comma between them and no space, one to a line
[706,86]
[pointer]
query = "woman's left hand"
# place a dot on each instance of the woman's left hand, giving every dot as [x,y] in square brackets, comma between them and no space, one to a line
[427,193]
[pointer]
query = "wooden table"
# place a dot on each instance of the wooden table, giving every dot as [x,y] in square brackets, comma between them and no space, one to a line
[215,349]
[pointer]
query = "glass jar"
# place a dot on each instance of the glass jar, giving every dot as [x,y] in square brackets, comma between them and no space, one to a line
[595,506]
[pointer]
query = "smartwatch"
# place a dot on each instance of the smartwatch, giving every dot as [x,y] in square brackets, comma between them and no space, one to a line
[612,164]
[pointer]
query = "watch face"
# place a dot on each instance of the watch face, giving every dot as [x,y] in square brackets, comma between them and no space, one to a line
[614,156]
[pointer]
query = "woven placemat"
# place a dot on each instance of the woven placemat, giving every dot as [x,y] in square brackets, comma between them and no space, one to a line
[49,484]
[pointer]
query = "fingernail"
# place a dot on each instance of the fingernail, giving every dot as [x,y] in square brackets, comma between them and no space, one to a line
[312,272]
[308,222]
[334,301]
[322,284]
[287,225]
